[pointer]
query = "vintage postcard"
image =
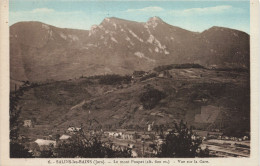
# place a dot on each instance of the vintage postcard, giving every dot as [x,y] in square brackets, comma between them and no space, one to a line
[129,82]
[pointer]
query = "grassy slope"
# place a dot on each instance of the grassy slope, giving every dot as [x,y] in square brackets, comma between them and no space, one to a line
[60,104]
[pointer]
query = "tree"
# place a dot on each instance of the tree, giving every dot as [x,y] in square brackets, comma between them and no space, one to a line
[114,79]
[18,151]
[47,153]
[151,97]
[180,143]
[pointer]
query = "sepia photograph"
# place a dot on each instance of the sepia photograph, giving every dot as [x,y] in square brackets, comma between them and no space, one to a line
[129,79]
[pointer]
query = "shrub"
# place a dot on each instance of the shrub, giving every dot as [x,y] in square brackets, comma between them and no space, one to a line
[148,76]
[177,66]
[18,151]
[138,73]
[179,144]
[151,97]
[114,79]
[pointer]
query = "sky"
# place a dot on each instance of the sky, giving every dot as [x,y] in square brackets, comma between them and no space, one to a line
[82,14]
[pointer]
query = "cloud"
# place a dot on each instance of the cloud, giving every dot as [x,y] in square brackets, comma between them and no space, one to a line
[42,10]
[147,9]
[63,19]
[46,12]
[206,10]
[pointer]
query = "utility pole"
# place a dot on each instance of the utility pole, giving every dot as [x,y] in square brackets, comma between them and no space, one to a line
[143,147]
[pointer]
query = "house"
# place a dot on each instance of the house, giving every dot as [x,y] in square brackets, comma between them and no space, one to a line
[145,136]
[149,127]
[226,138]
[121,130]
[215,135]
[131,146]
[134,154]
[125,136]
[73,129]
[43,142]
[160,141]
[245,138]
[168,131]
[27,123]
[119,134]
[165,74]
[193,137]
[110,134]
[201,100]
[114,134]
[129,135]
[64,137]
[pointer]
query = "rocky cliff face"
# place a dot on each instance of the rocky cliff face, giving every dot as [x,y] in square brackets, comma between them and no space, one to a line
[40,52]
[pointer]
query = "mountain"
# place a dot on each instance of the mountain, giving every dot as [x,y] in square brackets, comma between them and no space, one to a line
[40,52]
[189,76]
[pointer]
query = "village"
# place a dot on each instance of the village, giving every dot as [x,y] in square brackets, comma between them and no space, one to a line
[145,143]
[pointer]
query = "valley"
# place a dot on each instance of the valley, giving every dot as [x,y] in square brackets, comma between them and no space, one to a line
[129,83]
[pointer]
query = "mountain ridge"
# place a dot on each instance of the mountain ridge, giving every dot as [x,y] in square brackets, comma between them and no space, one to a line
[117,18]
[40,51]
